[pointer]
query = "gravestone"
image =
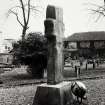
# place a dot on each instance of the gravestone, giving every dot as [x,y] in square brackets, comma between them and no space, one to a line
[54,32]
[55,91]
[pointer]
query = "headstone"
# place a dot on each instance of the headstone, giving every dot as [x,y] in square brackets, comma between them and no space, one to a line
[54,32]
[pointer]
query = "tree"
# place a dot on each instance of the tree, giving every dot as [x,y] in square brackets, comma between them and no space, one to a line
[26,9]
[33,53]
[99,10]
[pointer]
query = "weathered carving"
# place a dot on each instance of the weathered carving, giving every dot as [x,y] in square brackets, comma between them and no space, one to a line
[54,31]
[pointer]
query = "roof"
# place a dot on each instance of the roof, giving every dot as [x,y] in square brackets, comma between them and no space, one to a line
[5,54]
[70,50]
[87,36]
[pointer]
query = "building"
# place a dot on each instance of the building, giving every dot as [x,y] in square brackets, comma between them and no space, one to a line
[6,58]
[5,48]
[7,44]
[87,44]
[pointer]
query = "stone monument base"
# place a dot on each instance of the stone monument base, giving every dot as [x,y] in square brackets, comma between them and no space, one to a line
[59,94]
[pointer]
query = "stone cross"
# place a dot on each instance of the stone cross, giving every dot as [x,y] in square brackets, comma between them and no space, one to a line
[54,32]
[55,91]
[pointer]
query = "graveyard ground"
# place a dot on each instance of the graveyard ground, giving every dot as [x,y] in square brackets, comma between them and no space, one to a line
[19,88]
[23,95]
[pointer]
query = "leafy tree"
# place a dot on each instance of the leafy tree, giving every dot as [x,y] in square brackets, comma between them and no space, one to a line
[32,52]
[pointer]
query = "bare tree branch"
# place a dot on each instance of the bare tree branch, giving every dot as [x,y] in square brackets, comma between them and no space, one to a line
[98,6]
[17,17]
[12,9]
[96,11]
[28,11]
[23,9]
[98,17]
[99,10]
[34,8]
[16,7]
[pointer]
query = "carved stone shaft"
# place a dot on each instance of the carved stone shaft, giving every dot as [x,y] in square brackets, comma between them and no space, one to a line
[54,32]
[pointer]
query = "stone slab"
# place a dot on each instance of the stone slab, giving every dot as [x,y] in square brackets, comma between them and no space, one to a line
[59,94]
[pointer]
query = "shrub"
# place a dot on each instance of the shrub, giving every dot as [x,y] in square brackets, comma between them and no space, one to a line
[32,52]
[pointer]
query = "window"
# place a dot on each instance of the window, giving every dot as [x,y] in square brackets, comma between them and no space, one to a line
[84,44]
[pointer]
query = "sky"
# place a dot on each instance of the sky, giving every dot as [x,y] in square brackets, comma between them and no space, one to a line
[76,17]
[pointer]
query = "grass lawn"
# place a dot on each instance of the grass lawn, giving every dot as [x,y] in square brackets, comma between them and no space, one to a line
[24,94]
[96,91]
[17,95]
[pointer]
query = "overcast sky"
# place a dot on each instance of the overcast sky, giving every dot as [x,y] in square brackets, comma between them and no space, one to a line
[76,17]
